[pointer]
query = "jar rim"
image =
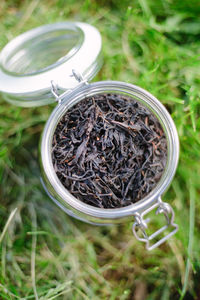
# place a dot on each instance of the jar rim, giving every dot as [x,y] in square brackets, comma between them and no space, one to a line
[146,99]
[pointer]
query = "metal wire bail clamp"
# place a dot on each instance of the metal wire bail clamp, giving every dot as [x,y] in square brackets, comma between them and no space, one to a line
[141,224]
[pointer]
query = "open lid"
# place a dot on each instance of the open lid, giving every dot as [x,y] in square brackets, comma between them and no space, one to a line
[29,62]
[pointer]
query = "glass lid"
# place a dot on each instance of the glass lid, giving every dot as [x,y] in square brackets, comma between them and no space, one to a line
[48,53]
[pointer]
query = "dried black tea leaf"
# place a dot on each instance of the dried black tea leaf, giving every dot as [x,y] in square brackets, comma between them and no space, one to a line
[109,151]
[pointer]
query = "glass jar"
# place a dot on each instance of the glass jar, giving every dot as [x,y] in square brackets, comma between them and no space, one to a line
[65,79]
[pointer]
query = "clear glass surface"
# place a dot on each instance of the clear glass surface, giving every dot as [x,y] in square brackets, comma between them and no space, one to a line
[43,51]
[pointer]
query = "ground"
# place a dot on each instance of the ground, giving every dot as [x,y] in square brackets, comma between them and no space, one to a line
[44,253]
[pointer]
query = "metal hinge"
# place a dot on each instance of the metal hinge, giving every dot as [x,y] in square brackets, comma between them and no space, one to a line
[55,89]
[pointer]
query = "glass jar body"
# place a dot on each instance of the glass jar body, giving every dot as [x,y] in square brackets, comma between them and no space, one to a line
[58,192]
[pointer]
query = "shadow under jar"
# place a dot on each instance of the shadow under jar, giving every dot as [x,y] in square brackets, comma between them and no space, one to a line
[73,59]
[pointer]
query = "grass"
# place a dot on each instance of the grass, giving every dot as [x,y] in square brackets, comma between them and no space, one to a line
[46,254]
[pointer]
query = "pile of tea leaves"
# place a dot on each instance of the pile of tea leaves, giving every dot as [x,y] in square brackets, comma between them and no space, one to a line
[109,151]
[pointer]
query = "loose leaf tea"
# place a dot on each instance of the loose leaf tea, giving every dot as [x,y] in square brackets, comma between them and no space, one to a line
[109,151]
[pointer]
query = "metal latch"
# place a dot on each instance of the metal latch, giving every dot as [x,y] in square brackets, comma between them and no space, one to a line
[141,224]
